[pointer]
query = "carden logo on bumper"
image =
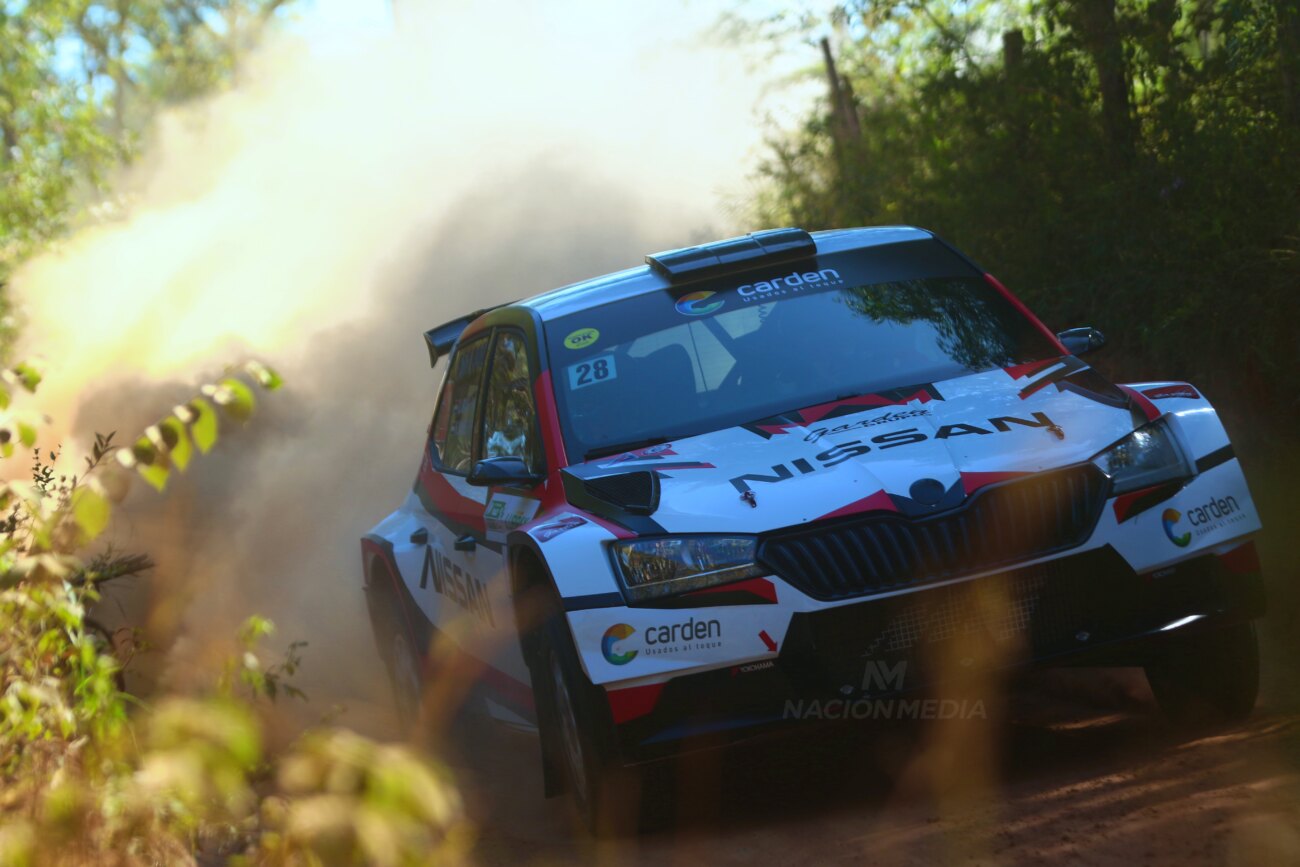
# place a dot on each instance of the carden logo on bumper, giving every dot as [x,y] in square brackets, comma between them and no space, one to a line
[685,636]
[1170,519]
[1215,514]
[614,635]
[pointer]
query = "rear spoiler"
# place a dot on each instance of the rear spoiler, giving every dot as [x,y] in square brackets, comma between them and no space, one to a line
[442,338]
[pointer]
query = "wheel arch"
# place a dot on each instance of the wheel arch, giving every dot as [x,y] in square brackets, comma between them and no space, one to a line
[387,597]
[533,588]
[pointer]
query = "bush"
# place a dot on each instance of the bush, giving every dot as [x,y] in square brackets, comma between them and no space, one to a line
[90,775]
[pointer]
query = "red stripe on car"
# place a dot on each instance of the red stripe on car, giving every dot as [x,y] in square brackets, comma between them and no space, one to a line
[447,500]
[1136,502]
[1027,313]
[1143,403]
[1016,371]
[1124,503]
[867,401]
[632,702]
[877,502]
[512,692]
[1242,559]
[759,587]
[1183,391]
[972,482]
[549,416]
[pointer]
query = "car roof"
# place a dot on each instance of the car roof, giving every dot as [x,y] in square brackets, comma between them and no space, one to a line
[643,279]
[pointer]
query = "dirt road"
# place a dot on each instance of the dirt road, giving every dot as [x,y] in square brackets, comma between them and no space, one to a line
[1082,771]
[1096,781]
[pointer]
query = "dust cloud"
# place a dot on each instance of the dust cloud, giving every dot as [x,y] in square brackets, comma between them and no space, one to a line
[319,215]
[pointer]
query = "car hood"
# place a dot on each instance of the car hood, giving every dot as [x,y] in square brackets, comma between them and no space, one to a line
[914,449]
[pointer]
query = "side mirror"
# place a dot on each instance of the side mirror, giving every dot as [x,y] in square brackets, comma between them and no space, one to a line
[1081,340]
[503,471]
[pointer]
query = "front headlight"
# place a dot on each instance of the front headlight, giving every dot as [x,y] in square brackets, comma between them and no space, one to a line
[1146,457]
[665,565]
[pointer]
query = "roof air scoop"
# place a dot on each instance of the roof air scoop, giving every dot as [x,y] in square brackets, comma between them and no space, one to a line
[734,254]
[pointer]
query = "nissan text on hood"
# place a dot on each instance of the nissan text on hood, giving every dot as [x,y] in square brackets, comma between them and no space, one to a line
[790,477]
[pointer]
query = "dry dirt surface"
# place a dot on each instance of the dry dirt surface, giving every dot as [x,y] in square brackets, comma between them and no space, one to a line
[1060,780]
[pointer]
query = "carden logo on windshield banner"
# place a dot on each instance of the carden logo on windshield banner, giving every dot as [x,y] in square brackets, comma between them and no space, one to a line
[763,290]
[698,303]
[613,636]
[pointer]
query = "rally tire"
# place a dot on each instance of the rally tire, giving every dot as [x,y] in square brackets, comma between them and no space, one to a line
[401,659]
[578,738]
[404,674]
[1207,679]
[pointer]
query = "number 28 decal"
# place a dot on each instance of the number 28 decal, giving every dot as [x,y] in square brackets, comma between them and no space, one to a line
[592,371]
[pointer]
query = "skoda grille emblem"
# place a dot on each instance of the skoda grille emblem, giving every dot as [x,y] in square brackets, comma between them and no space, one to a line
[927,492]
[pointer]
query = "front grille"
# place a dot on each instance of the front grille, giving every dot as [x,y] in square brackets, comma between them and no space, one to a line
[949,614]
[1034,612]
[999,526]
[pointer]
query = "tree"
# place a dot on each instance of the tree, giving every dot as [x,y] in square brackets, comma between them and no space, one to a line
[79,81]
[1117,161]
[1098,28]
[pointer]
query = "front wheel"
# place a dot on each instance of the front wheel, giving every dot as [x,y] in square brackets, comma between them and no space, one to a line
[404,674]
[400,656]
[578,738]
[1208,678]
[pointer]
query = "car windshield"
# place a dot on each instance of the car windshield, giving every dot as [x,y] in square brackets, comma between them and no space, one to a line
[671,364]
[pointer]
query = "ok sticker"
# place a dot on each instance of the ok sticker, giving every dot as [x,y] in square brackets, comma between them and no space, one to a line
[582,338]
[593,370]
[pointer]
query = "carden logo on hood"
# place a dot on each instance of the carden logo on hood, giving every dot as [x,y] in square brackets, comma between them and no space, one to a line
[1170,518]
[698,303]
[614,635]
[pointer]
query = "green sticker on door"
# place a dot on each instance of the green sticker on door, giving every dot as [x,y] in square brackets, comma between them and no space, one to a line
[582,338]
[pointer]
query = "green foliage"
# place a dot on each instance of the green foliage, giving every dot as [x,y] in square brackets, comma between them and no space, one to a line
[85,780]
[52,136]
[347,800]
[198,413]
[258,680]
[90,511]
[1134,172]
[79,80]
[165,446]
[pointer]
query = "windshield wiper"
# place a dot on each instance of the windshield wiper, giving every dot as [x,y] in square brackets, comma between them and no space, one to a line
[631,445]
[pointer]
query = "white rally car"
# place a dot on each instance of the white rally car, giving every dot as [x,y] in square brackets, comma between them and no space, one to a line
[687,498]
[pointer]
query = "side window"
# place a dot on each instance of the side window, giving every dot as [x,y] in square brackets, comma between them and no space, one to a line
[509,417]
[453,426]
[438,424]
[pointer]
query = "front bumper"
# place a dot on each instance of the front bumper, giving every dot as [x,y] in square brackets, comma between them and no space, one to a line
[1089,608]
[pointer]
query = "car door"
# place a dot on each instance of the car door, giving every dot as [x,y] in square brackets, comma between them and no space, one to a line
[435,566]
[508,427]
[455,566]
